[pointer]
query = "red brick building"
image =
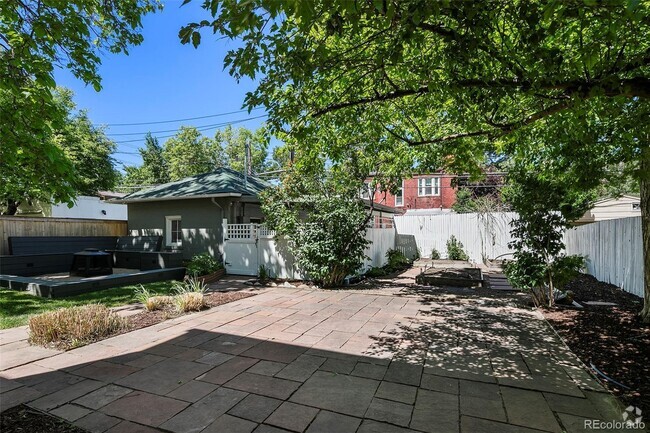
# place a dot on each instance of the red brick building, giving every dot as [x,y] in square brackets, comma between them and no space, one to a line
[422,191]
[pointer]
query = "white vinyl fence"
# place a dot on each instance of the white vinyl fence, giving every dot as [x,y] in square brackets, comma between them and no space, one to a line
[614,251]
[484,236]
[249,246]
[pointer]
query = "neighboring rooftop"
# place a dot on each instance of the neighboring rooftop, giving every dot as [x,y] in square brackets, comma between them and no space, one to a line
[223,182]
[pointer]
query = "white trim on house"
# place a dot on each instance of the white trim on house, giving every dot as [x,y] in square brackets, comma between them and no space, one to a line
[169,229]
[400,194]
[431,183]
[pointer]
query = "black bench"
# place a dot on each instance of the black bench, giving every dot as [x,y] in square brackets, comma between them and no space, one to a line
[38,255]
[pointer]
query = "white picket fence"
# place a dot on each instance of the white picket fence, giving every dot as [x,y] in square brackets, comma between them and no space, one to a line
[614,249]
[484,236]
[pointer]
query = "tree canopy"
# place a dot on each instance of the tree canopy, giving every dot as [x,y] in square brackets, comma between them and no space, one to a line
[404,83]
[86,161]
[36,37]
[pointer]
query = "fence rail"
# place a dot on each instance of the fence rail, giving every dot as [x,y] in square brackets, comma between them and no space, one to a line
[19,226]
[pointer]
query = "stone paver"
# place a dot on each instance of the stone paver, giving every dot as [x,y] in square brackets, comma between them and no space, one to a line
[339,393]
[327,422]
[395,359]
[97,422]
[292,417]
[144,408]
[255,407]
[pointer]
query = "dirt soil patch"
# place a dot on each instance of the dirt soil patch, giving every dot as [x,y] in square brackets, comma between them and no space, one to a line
[612,338]
[22,419]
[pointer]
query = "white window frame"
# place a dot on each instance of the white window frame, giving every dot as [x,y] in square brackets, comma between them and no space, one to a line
[400,195]
[168,231]
[432,184]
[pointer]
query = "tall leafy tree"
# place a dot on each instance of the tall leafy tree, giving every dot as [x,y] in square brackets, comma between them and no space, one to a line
[451,80]
[34,37]
[87,147]
[87,158]
[153,170]
[236,143]
[189,152]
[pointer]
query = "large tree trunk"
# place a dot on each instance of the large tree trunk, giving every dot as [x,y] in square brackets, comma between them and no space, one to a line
[644,182]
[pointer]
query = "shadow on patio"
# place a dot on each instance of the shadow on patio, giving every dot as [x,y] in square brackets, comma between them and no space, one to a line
[446,367]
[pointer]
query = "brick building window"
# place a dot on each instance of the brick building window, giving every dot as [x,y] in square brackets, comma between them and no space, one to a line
[428,186]
[399,196]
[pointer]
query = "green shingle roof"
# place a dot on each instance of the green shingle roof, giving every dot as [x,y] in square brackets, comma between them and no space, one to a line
[222,181]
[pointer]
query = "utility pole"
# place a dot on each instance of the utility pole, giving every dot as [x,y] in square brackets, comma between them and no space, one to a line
[246,146]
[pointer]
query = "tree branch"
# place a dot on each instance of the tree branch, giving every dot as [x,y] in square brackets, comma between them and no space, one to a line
[631,87]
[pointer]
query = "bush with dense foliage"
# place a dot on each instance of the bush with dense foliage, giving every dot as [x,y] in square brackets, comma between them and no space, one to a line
[72,327]
[396,259]
[455,249]
[324,222]
[435,254]
[203,264]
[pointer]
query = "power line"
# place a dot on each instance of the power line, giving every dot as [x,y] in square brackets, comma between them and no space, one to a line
[177,120]
[206,128]
[213,125]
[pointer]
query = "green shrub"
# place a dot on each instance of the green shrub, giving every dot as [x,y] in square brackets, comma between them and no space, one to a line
[203,264]
[73,327]
[435,254]
[263,274]
[376,272]
[396,260]
[455,249]
[326,232]
[566,268]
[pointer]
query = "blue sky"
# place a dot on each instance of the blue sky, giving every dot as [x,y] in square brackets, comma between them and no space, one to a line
[163,80]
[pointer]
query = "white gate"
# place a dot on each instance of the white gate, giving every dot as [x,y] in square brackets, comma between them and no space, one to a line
[240,248]
[242,251]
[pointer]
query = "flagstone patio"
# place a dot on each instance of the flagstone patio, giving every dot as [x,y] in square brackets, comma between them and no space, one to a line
[390,360]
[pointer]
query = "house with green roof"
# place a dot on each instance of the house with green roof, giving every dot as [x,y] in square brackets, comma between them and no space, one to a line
[189,213]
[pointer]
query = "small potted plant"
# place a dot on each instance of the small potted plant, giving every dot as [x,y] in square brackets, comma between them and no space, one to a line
[205,268]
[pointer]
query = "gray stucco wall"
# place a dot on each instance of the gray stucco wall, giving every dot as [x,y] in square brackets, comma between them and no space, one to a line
[201,221]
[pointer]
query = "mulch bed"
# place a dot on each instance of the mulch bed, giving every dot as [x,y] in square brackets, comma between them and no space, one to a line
[148,318]
[612,338]
[22,419]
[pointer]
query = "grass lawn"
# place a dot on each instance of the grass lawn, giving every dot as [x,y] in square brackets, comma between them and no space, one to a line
[16,307]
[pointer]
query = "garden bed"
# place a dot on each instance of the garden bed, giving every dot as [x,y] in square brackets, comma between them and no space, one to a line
[145,318]
[611,337]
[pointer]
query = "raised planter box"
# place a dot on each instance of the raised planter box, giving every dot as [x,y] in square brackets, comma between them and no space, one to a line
[211,278]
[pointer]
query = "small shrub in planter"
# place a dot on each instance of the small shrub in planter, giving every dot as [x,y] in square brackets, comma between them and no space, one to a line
[73,327]
[455,249]
[435,254]
[189,295]
[203,264]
